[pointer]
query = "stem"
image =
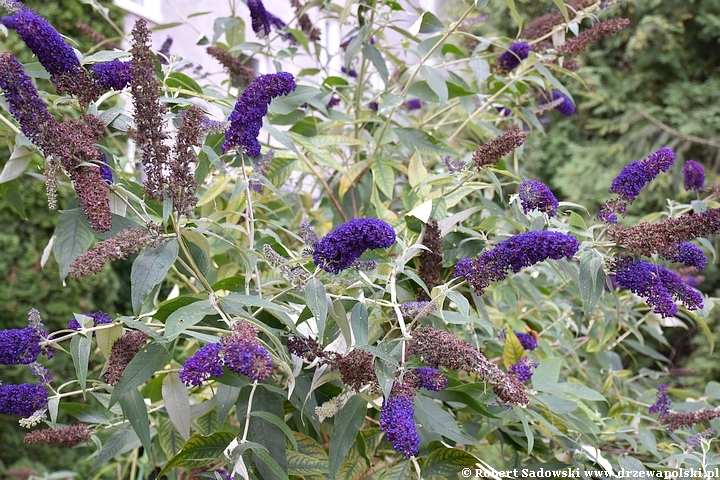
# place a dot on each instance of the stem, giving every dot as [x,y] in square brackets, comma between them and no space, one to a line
[78,332]
[326,187]
[247,415]
[250,225]
[483,107]
[675,133]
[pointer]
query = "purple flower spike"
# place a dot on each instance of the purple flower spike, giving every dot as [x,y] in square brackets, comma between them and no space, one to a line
[689,254]
[340,248]
[515,253]
[662,403]
[429,378]
[262,21]
[248,358]
[251,107]
[205,363]
[24,399]
[657,162]
[463,268]
[535,195]
[694,175]
[113,75]
[413,104]
[527,341]
[513,56]
[630,181]
[105,171]
[46,43]
[523,369]
[659,286]
[396,420]
[567,107]
[19,346]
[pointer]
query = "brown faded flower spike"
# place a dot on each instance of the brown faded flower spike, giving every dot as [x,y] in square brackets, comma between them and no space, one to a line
[64,436]
[125,243]
[182,183]
[233,65]
[145,91]
[431,259]
[577,45]
[490,153]
[122,353]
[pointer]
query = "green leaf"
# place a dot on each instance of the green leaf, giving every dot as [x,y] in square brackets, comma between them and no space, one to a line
[180,80]
[269,435]
[107,337]
[16,164]
[149,359]
[514,13]
[278,422]
[236,304]
[359,323]
[427,23]
[577,221]
[199,249]
[592,280]
[316,300]
[374,55]
[226,397]
[548,372]
[80,351]
[384,177]
[149,269]
[112,447]
[436,82]
[348,423]
[422,142]
[712,390]
[436,420]
[177,403]
[134,408]
[401,471]
[302,465]
[513,350]
[10,192]
[289,103]
[185,317]
[199,451]
[73,236]
[447,462]
[170,439]
[560,4]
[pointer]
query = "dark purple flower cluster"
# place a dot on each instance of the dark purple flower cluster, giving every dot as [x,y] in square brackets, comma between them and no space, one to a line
[658,285]
[689,254]
[429,378]
[463,267]
[513,56]
[523,369]
[527,340]
[349,72]
[24,399]
[694,174]
[566,107]
[99,318]
[519,251]
[19,346]
[105,171]
[251,107]
[637,174]
[453,166]
[340,248]
[240,352]
[413,104]
[535,195]
[397,421]
[204,363]
[113,75]
[696,440]
[662,402]
[45,42]
[262,21]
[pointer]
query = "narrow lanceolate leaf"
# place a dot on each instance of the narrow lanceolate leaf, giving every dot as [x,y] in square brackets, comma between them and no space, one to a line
[317,303]
[302,465]
[16,164]
[134,408]
[377,59]
[269,435]
[73,236]
[401,471]
[359,323]
[112,447]
[148,360]
[185,317]
[446,462]
[226,397]
[149,269]
[347,425]
[592,281]
[80,351]
[278,422]
[513,350]
[433,418]
[200,451]
[170,439]
[177,403]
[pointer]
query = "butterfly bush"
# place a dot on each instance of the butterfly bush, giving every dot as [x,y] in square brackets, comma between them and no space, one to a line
[319,284]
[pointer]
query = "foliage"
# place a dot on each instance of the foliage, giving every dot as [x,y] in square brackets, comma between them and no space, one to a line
[248,348]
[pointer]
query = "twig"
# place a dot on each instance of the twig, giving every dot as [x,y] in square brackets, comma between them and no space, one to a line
[672,131]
